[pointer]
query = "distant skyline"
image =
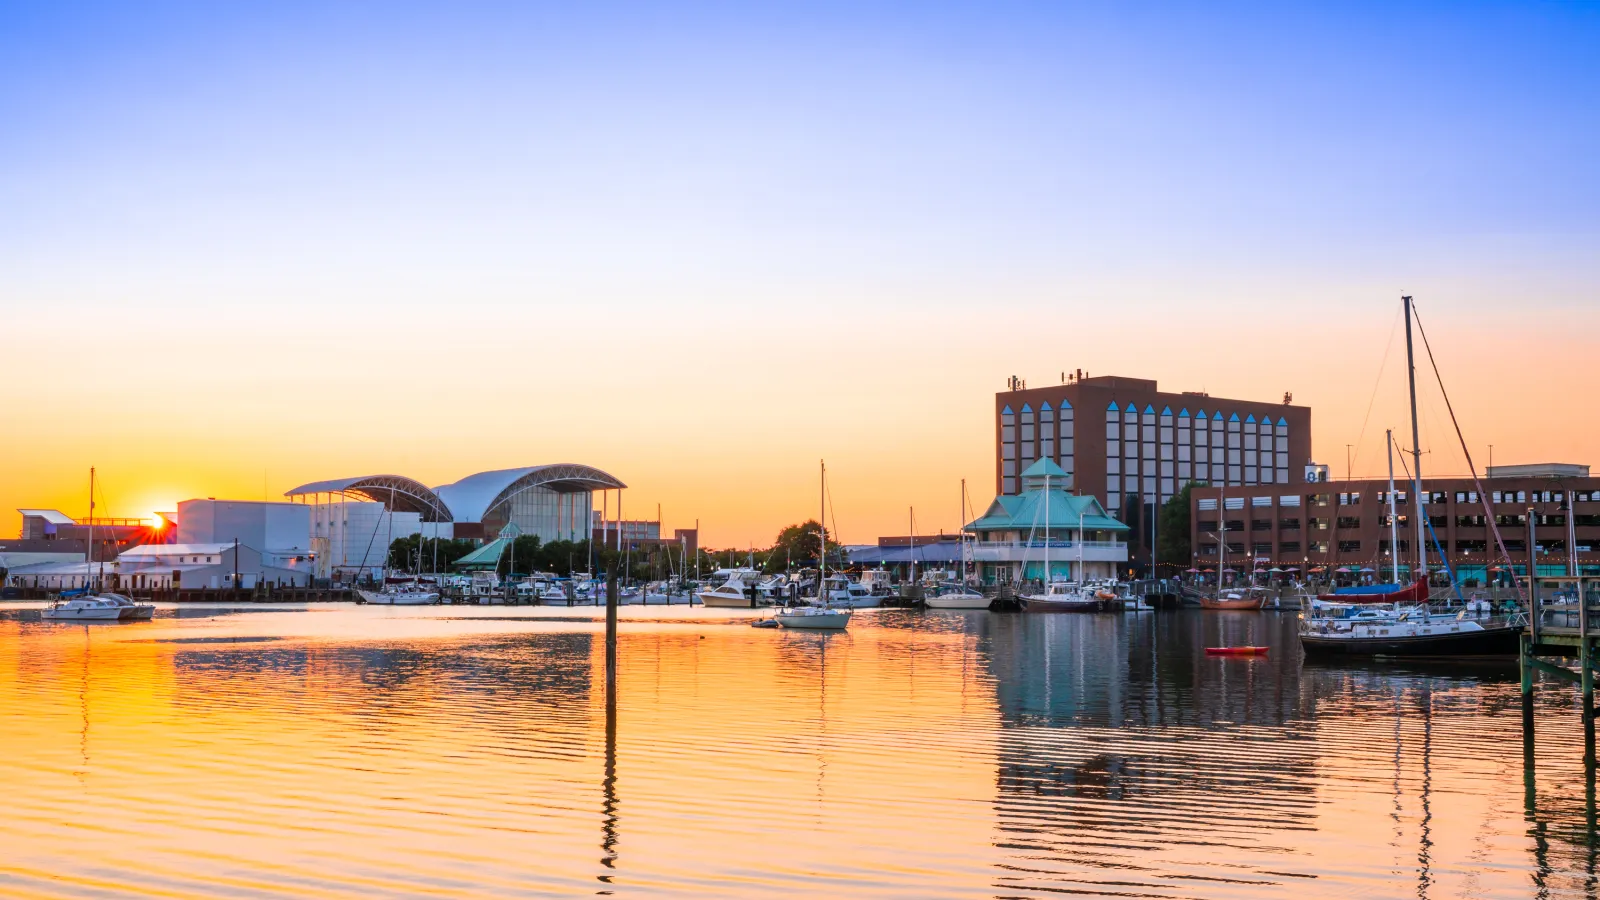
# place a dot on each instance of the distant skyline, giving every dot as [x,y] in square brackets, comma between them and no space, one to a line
[703,247]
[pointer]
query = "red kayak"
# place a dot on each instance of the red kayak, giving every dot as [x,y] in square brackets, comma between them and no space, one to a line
[1236,651]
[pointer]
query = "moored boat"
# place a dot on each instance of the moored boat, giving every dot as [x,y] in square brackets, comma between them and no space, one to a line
[1064,596]
[98,608]
[734,593]
[1409,635]
[814,618]
[956,596]
[1243,598]
[821,617]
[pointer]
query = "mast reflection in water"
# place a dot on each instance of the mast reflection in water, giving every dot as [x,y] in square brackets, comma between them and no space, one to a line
[344,752]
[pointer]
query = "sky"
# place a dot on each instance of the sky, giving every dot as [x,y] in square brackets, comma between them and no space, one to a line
[704,246]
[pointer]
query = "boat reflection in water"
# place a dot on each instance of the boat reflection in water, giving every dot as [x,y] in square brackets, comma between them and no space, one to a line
[473,752]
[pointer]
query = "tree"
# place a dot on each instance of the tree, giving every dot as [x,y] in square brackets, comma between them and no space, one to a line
[798,544]
[1173,544]
[1138,533]
[403,552]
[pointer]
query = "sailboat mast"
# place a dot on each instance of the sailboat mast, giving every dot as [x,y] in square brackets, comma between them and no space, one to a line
[822,536]
[1394,523]
[962,524]
[88,558]
[1222,525]
[1047,530]
[1416,449]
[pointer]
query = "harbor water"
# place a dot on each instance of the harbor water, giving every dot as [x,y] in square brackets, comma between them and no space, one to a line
[343,751]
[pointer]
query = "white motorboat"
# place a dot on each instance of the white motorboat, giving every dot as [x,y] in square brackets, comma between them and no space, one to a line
[98,608]
[846,594]
[956,596]
[816,618]
[400,597]
[733,593]
[552,593]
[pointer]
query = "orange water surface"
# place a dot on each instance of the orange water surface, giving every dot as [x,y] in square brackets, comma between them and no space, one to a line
[343,751]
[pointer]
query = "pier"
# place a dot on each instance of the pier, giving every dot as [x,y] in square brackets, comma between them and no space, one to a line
[1562,609]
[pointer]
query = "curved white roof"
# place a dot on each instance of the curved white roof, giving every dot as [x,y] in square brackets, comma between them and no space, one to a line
[397,492]
[471,498]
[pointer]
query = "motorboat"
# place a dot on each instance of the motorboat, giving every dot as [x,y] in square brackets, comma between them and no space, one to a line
[1066,596]
[846,594]
[403,596]
[98,608]
[813,618]
[956,596]
[733,593]
[551,592]
[876,581]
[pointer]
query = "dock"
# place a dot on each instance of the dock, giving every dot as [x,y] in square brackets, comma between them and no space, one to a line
[1562,611]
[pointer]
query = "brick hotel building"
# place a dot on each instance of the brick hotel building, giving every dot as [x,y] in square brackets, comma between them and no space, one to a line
[1120,438]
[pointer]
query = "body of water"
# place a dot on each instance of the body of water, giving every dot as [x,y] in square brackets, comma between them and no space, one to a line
[342,751]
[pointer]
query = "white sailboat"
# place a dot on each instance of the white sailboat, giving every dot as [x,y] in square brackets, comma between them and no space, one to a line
[106,607]
[959,596]
[823,617]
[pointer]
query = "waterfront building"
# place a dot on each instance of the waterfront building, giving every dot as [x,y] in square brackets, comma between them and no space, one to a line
[936,552]
[1122,441]
[111,535]
[167,567]
[1345,524]
[33,551]
[1014,534]
[276,528]
[354,518]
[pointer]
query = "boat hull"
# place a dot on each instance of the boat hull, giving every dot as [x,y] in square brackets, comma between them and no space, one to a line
[104,614]
[817,621]
[725,601]
[1043,605]
[1241,603]
[378,598]
[958,601]
[1493,641]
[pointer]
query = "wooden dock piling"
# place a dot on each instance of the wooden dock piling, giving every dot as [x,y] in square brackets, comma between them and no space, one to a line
[1560,631]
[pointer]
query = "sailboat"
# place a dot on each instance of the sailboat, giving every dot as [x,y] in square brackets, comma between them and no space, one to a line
[1406,627]
[960,596]
[1058,596]
[105,607]
[822,617]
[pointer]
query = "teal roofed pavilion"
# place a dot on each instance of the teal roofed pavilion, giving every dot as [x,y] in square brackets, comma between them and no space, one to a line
[1084,542]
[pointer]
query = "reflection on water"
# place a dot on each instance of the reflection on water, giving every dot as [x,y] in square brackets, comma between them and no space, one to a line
[353,752]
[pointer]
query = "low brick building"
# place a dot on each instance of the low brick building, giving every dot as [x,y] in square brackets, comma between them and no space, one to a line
[1346,523]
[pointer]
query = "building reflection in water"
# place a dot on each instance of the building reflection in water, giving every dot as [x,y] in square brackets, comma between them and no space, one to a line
[1130,762]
